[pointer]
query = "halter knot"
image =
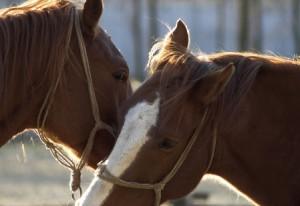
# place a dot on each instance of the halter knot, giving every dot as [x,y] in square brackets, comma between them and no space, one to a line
[75,180]
[159,186]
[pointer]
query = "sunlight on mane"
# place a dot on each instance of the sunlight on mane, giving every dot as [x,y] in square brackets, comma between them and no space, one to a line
[39,5]
[168,52]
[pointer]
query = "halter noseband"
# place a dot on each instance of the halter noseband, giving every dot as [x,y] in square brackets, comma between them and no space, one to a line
[103,173]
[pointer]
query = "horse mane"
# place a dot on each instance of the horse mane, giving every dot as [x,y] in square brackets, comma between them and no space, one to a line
[32,5]
[174,61]
[35,41]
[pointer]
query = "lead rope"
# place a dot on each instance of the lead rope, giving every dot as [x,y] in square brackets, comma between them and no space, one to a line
[104,174]
[57,152]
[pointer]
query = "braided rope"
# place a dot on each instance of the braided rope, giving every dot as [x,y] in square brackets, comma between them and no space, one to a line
[57,152]
[103,173]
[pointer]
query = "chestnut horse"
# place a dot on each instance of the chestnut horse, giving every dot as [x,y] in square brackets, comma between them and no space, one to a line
[57,69]
[234,115]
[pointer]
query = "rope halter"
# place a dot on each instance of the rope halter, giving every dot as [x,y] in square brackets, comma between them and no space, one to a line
[56,151]
[103,173]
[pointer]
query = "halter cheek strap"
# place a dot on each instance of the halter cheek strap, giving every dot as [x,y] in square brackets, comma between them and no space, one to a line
[56,151]
[103,173]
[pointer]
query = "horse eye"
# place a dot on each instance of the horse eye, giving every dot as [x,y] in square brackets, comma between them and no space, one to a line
[167,144]
[121,76]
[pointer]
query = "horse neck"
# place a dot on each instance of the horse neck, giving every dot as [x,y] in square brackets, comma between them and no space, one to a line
[32,53]
[19,104]
[258,150]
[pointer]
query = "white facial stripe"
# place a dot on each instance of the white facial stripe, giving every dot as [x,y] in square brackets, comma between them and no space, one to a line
[133,136]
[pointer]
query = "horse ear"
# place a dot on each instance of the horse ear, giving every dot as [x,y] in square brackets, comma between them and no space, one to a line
[180,34]
[210,87]
[91,14]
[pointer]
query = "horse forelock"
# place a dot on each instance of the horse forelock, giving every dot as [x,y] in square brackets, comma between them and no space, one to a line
[176,62]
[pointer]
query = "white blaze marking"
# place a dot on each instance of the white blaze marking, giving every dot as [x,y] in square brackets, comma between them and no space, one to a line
[133,136]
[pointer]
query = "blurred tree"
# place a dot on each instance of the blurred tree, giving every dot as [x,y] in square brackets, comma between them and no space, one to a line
[243,39]
[137,39]
[256,21]
[221,24]
[195,19]
[153,19]
[296,25]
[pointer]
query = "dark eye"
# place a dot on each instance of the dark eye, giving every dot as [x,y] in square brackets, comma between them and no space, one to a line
[167,144]
[121,75]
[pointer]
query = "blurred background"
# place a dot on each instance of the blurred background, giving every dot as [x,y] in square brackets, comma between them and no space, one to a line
[28,174]
[231,25]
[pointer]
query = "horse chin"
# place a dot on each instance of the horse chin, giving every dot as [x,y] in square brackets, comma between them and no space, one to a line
[103,145]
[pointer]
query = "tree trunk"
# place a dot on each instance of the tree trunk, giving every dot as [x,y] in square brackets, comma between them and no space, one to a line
[221,24]
[257,22]
[153,19]
[244,25]
[296,25]
[137,39]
